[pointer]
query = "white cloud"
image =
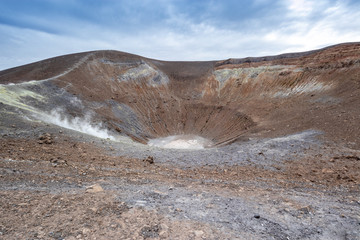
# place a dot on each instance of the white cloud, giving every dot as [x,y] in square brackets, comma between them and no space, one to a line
[335,25]
[26,45]
[300,8]
[304,25]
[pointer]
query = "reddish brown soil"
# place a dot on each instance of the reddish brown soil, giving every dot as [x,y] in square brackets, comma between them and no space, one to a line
[82,214]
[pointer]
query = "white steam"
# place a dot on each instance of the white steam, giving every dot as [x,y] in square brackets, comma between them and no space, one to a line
[84,125]
[180,142]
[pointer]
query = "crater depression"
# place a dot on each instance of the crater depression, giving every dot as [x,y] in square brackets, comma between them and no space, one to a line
[220,101]
[108,144]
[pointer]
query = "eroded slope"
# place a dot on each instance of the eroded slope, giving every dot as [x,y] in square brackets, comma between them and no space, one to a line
[220,101]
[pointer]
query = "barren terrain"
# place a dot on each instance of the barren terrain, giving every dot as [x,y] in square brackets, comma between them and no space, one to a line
[281,161]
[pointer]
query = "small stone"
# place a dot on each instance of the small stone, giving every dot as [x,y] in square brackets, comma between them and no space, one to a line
[163,234]
[150,231]
[149,159]
[45,138]
[327,170]
[94,188]
[257,216]
[198,233]
[305,210]
[94,209]
[164,227]
[86,231]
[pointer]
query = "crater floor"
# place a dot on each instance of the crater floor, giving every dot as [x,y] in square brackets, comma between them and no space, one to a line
[110,145]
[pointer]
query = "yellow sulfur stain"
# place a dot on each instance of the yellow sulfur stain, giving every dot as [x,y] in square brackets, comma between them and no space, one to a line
[12,95]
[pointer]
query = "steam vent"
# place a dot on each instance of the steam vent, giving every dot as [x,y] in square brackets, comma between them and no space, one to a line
[257,147]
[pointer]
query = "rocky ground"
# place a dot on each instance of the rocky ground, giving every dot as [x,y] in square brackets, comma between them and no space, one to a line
[60,184]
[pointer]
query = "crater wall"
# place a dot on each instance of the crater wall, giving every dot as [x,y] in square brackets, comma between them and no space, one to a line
[221,101]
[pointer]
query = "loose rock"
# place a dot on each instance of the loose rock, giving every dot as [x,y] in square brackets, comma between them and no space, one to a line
[94,188]
[149,159]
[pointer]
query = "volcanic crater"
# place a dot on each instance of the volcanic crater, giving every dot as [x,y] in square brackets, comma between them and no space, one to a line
[228,130]
[146,99]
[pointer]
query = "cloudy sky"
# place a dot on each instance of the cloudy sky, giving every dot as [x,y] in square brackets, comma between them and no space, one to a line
[172,29]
